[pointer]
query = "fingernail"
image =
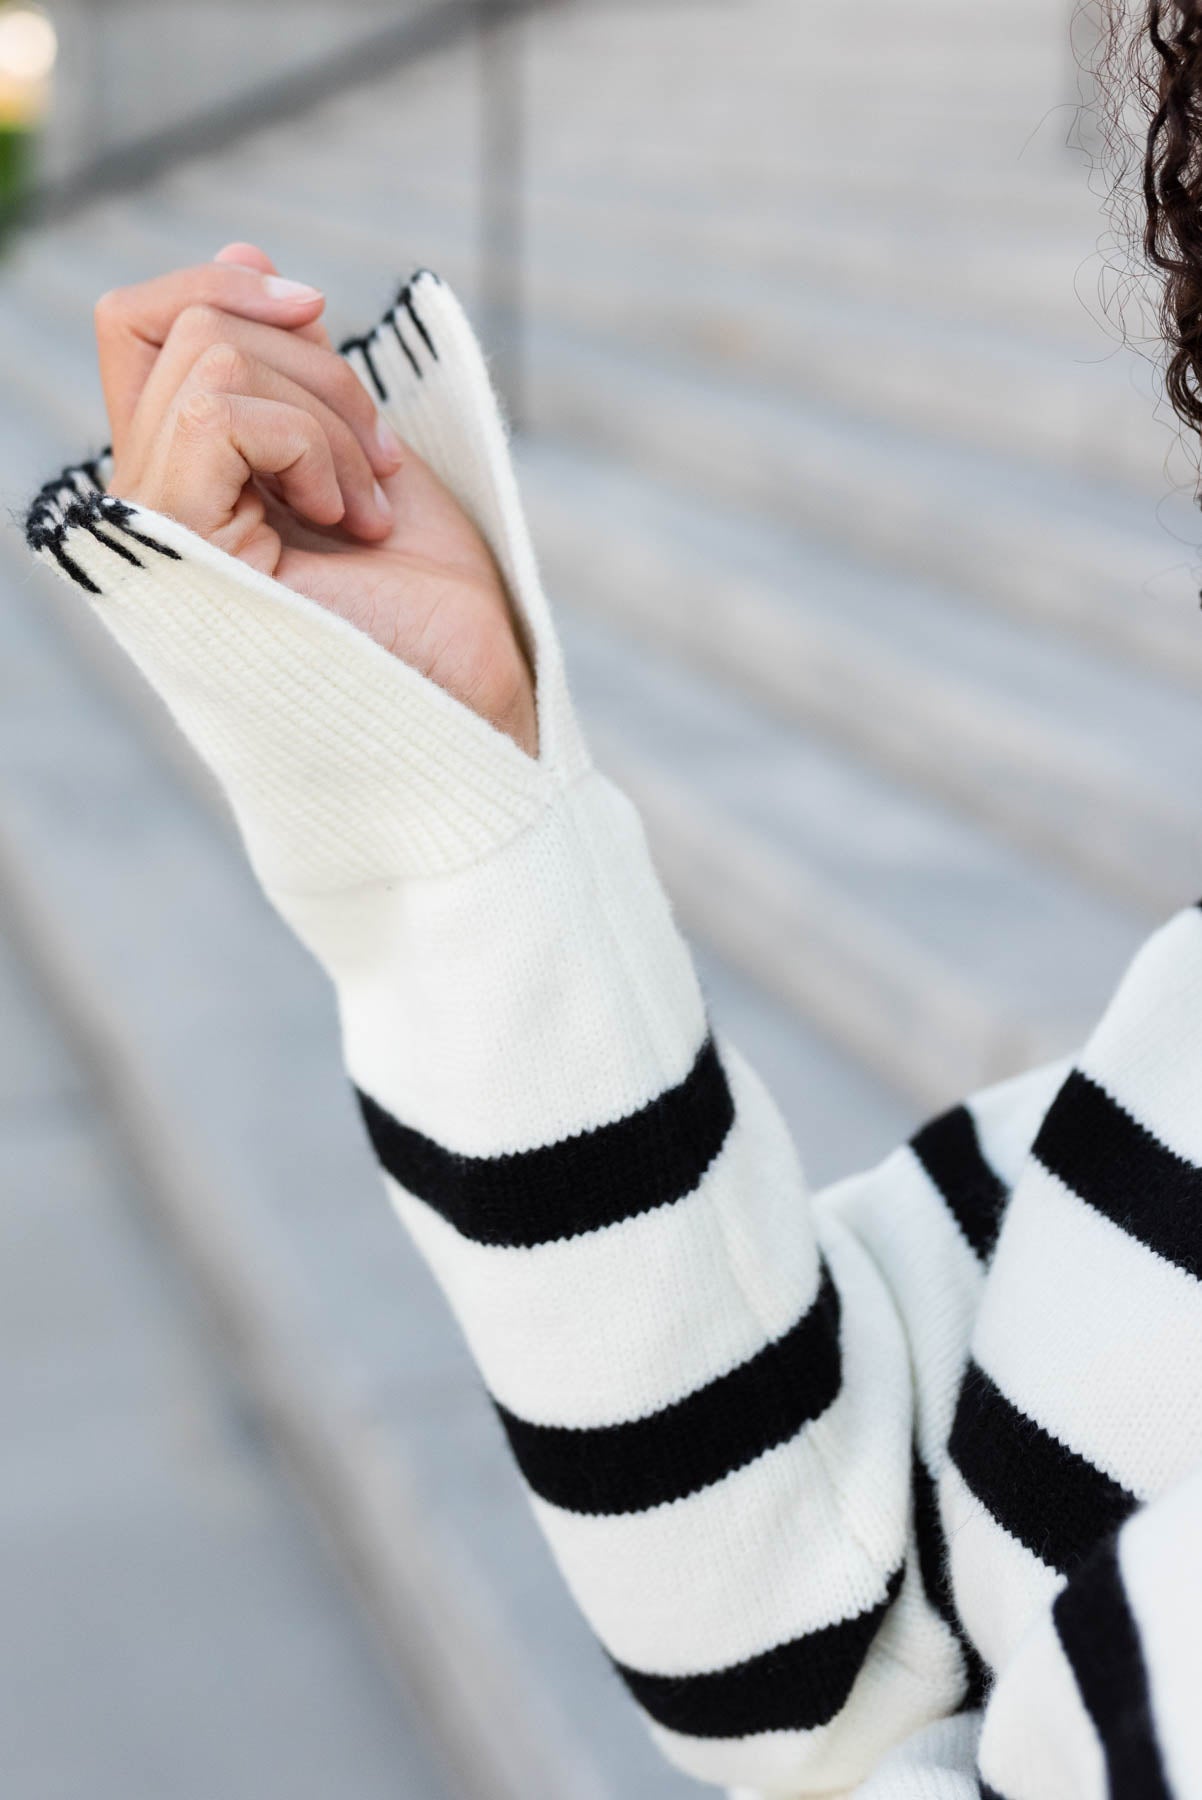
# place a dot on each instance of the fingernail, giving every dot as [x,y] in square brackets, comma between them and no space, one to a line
[383,504]
[280,289]
[390,444]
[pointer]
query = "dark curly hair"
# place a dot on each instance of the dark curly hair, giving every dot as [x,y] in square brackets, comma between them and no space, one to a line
[1157,58]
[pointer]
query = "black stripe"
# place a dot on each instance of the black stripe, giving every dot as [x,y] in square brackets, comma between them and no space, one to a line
[111,543]
[1100,1638]
[71,567]
[363,345]
[932,1564]
[406,300]
[950,1151]
[1118,1167]
[1044,1494]
[116,512]
[400,338]
[651,1158]
[377,383]
[793,1687]
[694,1442]
[987,1792]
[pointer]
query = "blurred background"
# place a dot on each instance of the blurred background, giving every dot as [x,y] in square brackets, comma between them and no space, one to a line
[877,569]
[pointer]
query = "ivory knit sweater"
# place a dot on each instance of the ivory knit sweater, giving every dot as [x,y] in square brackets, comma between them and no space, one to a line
[893,1489]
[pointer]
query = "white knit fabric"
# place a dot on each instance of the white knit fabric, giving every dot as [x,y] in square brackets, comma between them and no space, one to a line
[753,1421]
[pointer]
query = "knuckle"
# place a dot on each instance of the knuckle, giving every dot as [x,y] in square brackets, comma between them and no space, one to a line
[222,365]
[196,322]
[203,411]
[195,326]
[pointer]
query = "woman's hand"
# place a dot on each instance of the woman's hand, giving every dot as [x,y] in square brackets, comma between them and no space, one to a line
[230,411]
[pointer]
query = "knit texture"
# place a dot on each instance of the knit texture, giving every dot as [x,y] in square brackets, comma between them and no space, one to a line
[893,1490]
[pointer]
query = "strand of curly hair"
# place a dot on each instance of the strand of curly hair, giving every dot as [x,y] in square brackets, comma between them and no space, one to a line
[1170,80]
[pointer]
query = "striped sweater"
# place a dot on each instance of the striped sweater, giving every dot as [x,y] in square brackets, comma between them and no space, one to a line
[892,1490]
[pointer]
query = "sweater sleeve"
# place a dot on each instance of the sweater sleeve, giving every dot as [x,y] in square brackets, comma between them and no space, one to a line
[706,1381]
[1100,1699]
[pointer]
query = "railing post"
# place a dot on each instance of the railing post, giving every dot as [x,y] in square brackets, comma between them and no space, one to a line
[502,175]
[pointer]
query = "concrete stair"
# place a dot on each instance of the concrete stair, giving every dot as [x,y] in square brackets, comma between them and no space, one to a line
[172,1623]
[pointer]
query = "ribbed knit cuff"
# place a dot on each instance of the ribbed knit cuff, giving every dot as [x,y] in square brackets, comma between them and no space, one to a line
[343,765]
[424,367]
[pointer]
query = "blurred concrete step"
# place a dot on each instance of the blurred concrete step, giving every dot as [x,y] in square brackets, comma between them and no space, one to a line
[757,52]
[429,125]
[716,136]
[1005,272]
[872,360]
[1086,762]
[1003,232]
[939,957]
[585,179]
[1091,559]
[871,356]
[671,177]
[928,30]
[171,1623]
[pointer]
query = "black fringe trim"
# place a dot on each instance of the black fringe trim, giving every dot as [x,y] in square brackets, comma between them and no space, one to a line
[75,501]
[409,329]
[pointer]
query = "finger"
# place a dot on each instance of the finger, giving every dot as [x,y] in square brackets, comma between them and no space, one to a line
[250,533]
[252,256]
[132,323]
[212,446]
[225,368]
[322,373]
[247,256]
